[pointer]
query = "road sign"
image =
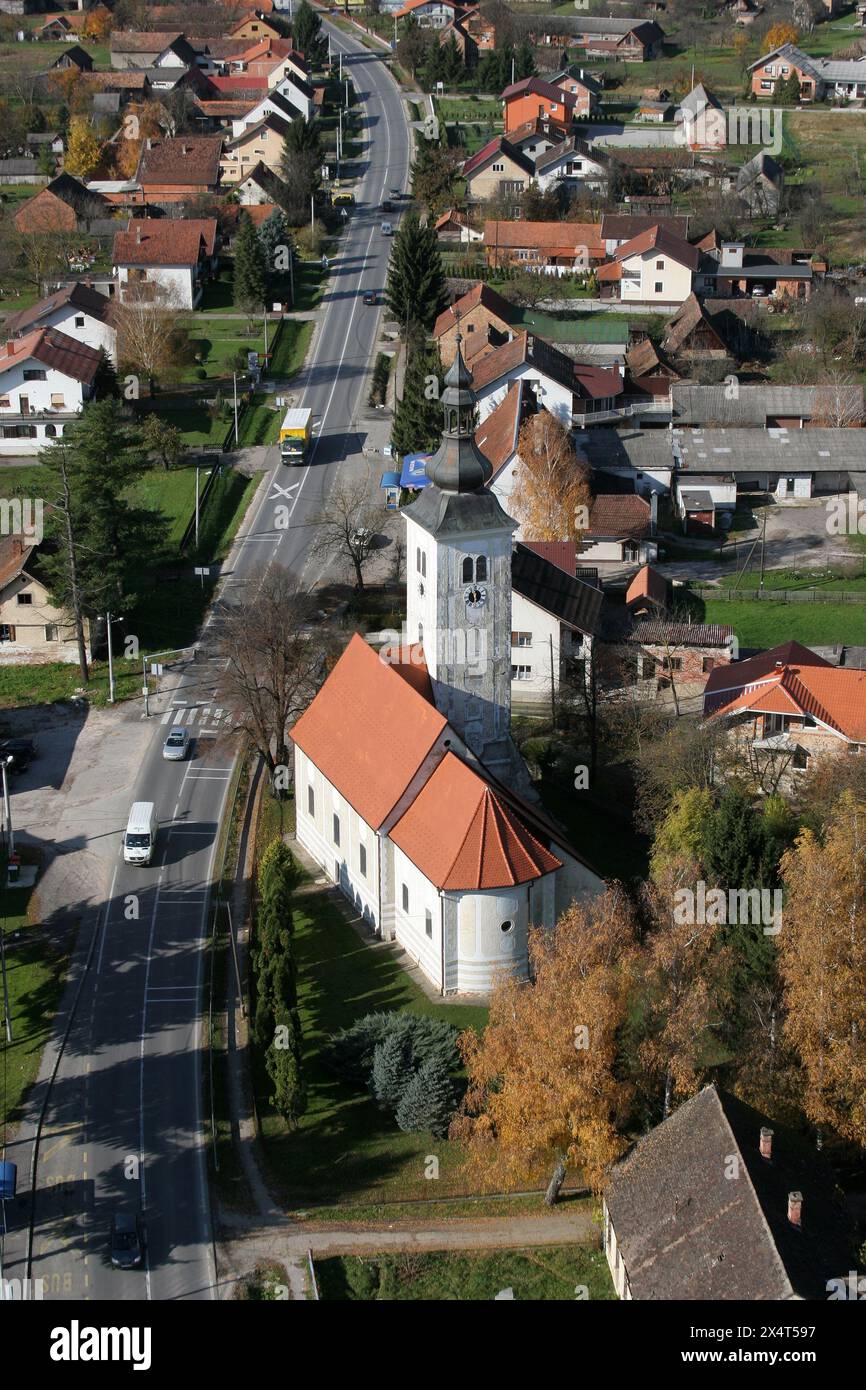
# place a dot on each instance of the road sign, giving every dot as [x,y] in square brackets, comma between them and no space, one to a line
[202,570]
[252,361]
[343,213]
[156,668]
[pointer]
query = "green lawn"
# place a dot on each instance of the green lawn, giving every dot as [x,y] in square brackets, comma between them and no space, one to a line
[766,624]
[547,1273]
[59,680]
[291,349]
[218,341]
[36,973]
[260,423]
[195,421]
[345,1148]
[478,108]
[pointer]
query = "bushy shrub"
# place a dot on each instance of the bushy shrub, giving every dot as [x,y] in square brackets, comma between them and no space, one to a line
[406,1062]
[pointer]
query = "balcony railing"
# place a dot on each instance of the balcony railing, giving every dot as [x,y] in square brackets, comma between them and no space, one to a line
[625,408]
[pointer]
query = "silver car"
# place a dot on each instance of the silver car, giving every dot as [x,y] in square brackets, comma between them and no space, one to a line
[176,746]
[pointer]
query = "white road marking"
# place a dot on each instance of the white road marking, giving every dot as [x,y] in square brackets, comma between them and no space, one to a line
[105,923]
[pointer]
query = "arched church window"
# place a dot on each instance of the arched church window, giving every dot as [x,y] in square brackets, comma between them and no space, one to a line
[481,567]
[468,570]
[50,431]
[424,563]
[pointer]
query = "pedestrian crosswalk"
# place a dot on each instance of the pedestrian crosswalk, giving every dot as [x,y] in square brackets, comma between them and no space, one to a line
[209,718]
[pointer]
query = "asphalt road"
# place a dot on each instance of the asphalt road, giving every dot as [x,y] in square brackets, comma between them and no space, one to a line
[124,1124]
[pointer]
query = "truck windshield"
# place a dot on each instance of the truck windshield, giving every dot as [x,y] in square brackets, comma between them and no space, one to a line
[138,842]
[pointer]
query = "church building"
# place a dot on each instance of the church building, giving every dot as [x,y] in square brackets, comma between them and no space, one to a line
[410,792]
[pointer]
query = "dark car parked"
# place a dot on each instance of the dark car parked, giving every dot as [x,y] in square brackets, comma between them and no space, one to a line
[127,1241]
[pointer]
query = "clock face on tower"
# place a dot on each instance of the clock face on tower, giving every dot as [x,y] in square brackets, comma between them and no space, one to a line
[475,597]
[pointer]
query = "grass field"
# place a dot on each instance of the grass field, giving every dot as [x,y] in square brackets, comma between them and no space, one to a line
[549,1273]
[346,1149]
[766,624]
[830,149]
[260,423]
[291,349]
[218,341]
[35,971]
[57,680]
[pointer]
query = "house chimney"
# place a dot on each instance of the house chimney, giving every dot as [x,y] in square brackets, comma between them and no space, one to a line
[654,512]
[17,546]
[766,1143]
[795,1209]
[10,347]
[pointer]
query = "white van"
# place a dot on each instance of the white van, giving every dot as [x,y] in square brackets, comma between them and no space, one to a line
[139,839]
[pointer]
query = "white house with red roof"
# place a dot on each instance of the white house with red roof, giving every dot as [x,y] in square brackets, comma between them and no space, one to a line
[655,267]
[45,379]
[409,790]
[167,258]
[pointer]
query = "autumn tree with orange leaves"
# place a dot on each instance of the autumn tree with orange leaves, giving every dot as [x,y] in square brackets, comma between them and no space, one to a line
[822,948]
[685,973]
[543,1093]
[778,35]
[551,496]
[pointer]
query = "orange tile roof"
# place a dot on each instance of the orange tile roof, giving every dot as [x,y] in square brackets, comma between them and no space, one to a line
[55,350]
[464,837]
[497,436]
[165,241]
[482,294]
[15,551]
[648,583]
[372,756]
[563,237]
[835,696]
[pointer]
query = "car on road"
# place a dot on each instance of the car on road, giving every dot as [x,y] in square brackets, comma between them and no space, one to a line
[22,751]
[371,297]
[127,1241]
[395,193]
[387,229]
[176,746]
[387,207]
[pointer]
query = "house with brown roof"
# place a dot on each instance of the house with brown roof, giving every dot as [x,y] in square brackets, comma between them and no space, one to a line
[786,707]
[576,393]
[580,84]
[156,49]
[410,792]
[481,316]
[497,170]
[675,654]
[45,379]
[557,248]
[622,529]
[630,40]
[647,372]
[63,205]
[175,170]
[695,331]
[648,593]
[454,225]
[78,310]
[254,26]
[720,1203]
[168,260]
[617,227]
[656,267]
[534,99]
[257,144]
[261,186]
[32,629]
[554,619]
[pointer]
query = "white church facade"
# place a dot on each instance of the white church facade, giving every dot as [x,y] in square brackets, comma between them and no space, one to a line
[409,790]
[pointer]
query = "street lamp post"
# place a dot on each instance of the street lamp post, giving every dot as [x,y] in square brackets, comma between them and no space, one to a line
[7,808]
[235,380]
[108,622]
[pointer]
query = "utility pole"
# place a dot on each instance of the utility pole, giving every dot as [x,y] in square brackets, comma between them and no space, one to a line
[763,548]
[197,467]
[108,622]
[235,380]
[7,808]
[312,219]
[292,287]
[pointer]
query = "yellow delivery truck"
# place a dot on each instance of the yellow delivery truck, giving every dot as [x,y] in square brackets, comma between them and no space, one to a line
[295,432]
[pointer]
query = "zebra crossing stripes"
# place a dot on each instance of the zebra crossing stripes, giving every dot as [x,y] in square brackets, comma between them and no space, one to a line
[198,714]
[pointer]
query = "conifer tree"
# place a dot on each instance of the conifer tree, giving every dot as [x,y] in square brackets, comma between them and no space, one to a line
[251,271]
[428,1101]
[285,1069]
[392,1070]
[418,418]
[415,291]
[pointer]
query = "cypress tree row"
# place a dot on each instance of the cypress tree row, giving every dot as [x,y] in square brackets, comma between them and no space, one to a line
[276,1023]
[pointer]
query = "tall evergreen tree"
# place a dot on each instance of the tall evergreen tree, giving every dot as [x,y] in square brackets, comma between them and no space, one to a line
[418,418]
[285,1068]
[277,245]
[251,270]
[428,1100]
[307,34]
[301,167]
[524,61]
[415,291]
[392,1070]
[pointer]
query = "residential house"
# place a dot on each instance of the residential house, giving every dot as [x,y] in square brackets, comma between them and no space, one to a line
[681,654]
[617,227]
[556,248]
[175,170]
[676,1227]
[656,267]
[74,57]
[759,185]
[273,104]
[536,137]
[574,163]
[32,629]
[548,375]
[51,140]
[582,86]
[787,706]
[481,318]
[166,258]
[696,332]
[131,49]
[58,29]
[498,438]
[497,170]
[431,14]
[454,225]
[777,66]
[78,310]
[656,112]
[622,529]
[630,40]
[554,618]
[534,99]
[261,186]
[702,499]
[647,371]
[45,379]
[702,121]
[257,144]
[254,25]
[65,204]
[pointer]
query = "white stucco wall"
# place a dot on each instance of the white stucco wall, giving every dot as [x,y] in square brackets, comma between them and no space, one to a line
[554,397]
[176,280]
[652,268]
[342,863]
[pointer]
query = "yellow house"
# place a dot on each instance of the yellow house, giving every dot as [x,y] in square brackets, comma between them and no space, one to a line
[254,26]
[31,628]
[657,267]
[256,144]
